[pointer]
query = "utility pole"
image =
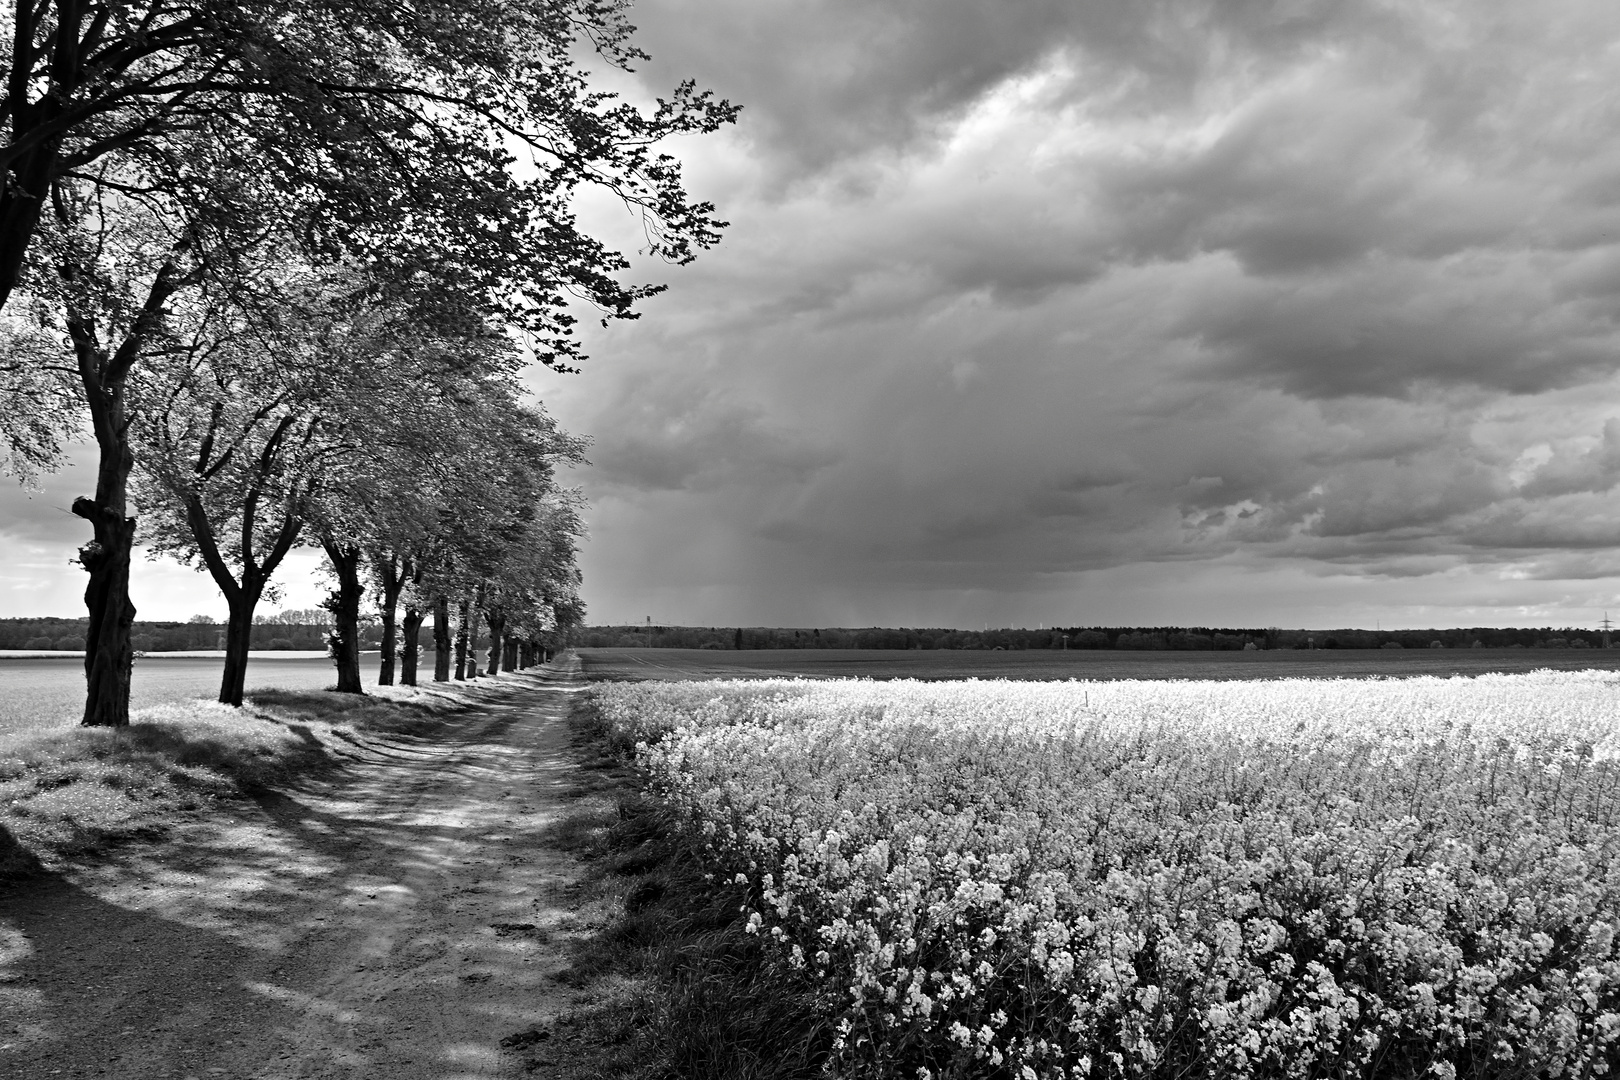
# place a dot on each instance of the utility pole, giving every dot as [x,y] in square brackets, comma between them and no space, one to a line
[1607,626]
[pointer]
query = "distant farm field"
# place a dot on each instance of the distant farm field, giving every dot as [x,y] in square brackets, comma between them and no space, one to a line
[611,665]
[49,692]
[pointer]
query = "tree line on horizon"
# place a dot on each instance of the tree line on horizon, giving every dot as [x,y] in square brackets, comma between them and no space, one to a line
[310,629]
[1140,638]
[286,265]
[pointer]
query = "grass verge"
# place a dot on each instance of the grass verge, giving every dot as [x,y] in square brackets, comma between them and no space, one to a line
[678,988]
[70,792]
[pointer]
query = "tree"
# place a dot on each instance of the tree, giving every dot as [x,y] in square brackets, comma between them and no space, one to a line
[344,604]
[322,416]
[464,480]
[523,555]
[370,113]
[441,636]
[534,587]
[391,571]
[116,254]
[410,625]
[472,605]
[437,485]
[31,439]
[235,435]
[337,128]
[114,269]
[449,489]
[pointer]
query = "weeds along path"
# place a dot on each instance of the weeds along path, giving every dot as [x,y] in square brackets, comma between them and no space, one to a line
[398,920]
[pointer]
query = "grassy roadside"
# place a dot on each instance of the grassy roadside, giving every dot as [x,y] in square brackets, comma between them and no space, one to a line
[675,986]
[69,792]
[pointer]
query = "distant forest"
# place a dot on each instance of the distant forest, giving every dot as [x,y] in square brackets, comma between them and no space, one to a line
[1075,637]
[275,632]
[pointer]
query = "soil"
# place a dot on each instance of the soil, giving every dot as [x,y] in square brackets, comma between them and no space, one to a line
[408,917]
[619,664]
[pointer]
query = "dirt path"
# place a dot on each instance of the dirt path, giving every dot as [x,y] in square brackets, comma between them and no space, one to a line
[396,923]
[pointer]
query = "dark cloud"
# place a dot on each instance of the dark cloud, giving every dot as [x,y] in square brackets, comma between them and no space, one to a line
[827,80]
[1183,310]
[667,434]
[1593,469]
[1396,329]
[1574,566]
[1570,522]
[1420,497]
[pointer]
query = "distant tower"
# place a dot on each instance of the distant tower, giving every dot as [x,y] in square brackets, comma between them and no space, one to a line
[1607,626]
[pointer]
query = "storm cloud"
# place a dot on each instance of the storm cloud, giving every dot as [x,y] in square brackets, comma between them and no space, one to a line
[1229,312]
[1022,301]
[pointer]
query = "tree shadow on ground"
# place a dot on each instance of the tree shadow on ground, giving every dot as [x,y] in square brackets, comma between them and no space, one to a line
[169,995]
[300,931]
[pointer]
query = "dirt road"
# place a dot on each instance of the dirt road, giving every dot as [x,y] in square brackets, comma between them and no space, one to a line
[397,922]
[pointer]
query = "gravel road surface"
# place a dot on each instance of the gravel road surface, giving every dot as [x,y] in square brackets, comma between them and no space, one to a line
[397,922]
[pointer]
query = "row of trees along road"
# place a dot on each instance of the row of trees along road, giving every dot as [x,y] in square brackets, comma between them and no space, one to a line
[278,259]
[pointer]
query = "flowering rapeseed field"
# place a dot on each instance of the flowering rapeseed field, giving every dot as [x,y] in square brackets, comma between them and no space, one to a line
[1300,878]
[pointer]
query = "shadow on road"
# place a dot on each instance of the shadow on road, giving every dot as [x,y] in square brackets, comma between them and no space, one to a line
[396,920]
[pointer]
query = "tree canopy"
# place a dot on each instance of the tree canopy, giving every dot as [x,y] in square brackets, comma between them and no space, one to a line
[449,132]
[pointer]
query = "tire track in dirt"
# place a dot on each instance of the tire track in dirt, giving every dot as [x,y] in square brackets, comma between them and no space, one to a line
[396,922]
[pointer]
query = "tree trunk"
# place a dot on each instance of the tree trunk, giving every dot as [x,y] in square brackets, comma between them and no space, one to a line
[238,637]
[241,597]
[109,655]
[497,641]
[391,576]
[461,640]
[441,638]
[511,654]
[408,652]
[473,611]
[344,604]
[410,648]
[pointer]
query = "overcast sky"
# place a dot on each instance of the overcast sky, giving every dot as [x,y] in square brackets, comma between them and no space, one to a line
[1231,313]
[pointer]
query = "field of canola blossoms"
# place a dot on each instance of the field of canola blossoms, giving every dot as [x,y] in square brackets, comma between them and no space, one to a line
[1300,878]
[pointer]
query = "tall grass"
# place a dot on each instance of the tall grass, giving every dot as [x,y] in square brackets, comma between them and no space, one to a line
[679,987]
